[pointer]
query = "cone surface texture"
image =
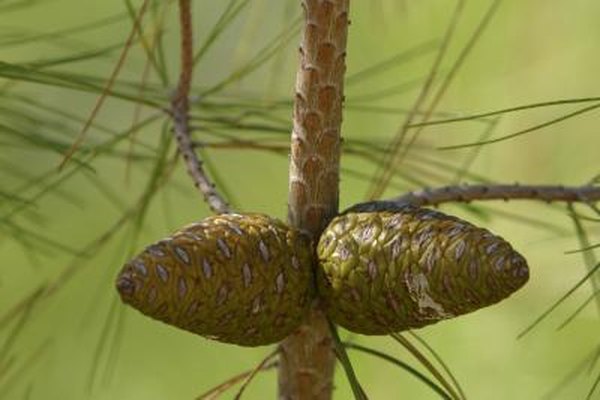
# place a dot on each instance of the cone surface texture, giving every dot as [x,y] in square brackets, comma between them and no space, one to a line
[388,271]
[243,279]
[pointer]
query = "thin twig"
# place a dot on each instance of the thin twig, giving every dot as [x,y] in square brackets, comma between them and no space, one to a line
[467,193]
[217,391]
[180,113]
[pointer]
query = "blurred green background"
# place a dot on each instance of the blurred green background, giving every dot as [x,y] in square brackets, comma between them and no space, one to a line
[79,342]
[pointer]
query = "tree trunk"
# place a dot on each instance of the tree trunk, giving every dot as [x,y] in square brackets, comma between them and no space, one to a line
[307,359]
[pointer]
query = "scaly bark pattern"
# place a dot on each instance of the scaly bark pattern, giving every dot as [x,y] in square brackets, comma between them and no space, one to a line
[307,360]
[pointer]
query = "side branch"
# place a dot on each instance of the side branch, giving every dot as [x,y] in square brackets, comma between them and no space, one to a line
[180,113]
[465,194]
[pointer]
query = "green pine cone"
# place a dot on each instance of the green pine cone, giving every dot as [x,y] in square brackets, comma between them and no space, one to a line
[387,271]
[243,279]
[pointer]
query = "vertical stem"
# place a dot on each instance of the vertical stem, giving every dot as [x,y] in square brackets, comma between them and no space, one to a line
[307,359]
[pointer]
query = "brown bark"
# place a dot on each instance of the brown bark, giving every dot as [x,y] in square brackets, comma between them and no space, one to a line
[307,360]
[467,193]
[180,105]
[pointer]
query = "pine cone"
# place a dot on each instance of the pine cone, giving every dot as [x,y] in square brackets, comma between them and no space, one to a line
[243,279]
[387,271]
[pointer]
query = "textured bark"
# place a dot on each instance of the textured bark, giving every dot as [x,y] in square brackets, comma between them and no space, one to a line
[307,359]
[180,105]
[467,193]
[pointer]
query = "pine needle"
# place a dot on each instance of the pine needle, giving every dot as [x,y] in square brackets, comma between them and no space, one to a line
[111,80]
[474,117]
[218,390]
[525,131]
[401,364]
[422,359]
[255,371]
[342,356]
[559,301]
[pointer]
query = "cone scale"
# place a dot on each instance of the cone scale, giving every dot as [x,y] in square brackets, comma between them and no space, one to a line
[392,270]
[242,279]
[248,279]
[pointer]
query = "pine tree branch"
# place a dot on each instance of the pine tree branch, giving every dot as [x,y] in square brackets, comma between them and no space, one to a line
[467,193]
[307,359]
[180,106]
